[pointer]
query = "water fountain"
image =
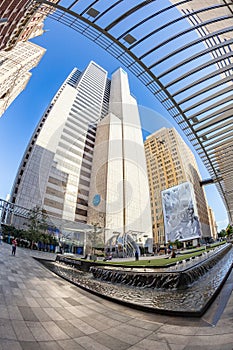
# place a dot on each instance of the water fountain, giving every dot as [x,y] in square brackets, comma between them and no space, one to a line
[186,288]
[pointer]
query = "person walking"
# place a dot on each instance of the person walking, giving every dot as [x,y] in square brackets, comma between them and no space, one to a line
[1,238]
[14,245]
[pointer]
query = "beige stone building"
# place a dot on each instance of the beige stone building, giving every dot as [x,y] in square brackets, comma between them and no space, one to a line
[15,66]
[170,162]
[213,224]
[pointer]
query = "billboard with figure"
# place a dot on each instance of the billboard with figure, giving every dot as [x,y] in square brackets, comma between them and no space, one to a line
[180,213]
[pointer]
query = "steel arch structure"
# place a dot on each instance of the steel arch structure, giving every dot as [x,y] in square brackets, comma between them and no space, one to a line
[182,51]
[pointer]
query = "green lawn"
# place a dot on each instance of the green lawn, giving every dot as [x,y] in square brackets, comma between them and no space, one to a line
[162,261]
[155,262]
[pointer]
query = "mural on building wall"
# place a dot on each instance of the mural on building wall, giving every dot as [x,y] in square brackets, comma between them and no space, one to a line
[179,211]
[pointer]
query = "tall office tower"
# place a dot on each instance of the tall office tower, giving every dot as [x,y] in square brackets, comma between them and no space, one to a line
[34,26]
[216,27]
[170,162]
[56,170]
[119,191]
[215,24]
[222,150]
[213,224]
[22,19]
[17,14]
[14,70]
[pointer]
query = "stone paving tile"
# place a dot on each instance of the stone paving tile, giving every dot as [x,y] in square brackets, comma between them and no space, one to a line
[22,285]
[75,311]
[39,332]
[32,302]
[52,302]
[214,340]
[50,345]
[226,328]
[207,347]
[150,326]
[111,342]
[6,330]
[14,312]
[147,344]
[100,322]
[65,313]
[178,339]
[127,338]
[70,329]
[42,302]
[54,314]
[100,309]
[69,345]
[27,313]
[29,345]
[13,284]
[54,330]
[83,326]
[90,344]
[134,330]
[41,314]
[16,300]
[35,294]
[10,345]
[4,312]
[177,330]
[22,331]
[17,292]
[62,302]
[71,301]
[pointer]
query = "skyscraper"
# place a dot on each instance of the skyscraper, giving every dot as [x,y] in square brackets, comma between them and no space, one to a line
[58,170]
[119,173]
[15,66]
[170,162]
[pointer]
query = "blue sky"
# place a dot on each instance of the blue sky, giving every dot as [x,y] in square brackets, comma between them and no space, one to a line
[67,49]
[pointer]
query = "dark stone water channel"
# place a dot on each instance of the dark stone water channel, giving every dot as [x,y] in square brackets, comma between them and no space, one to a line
[185,288]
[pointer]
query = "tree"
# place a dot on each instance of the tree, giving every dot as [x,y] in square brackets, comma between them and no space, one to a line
[96,237]
[222,233]
[37,224]
[229,231]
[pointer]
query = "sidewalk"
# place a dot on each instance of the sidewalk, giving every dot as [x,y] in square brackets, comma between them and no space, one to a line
[38,310]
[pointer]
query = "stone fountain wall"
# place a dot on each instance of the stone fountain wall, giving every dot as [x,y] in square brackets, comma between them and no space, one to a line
[181,279]
[137,288]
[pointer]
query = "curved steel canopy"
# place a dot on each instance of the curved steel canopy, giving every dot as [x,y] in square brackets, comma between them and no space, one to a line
[182,51]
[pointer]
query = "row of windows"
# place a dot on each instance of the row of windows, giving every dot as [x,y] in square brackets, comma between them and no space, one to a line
[84,182]
[81,124]
[54,192]
[85,165]
[83,192]
[70,148]
[53,204]
[81,212]
[57,182]
[85,173]
[74,160]
[90,104]
[82,201]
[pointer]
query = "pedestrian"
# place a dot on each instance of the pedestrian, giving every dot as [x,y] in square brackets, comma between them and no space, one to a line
[14,245]
[136,255]
[1,238]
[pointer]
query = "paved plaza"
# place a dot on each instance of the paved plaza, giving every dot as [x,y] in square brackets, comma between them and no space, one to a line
[39,310]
